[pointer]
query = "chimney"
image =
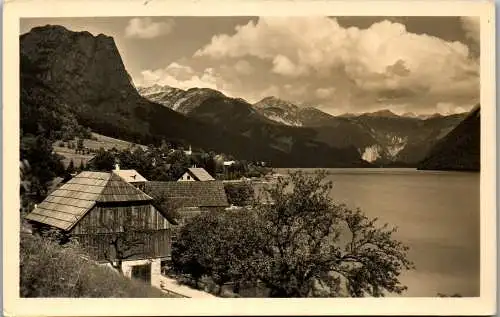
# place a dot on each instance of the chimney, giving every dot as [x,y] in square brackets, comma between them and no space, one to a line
[117,167]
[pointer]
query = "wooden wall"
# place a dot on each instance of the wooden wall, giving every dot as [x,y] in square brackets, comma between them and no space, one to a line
[102,219]
[143,245]
[140,226]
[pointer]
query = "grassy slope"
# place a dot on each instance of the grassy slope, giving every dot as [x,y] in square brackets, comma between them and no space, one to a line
[101,141]
[50,270]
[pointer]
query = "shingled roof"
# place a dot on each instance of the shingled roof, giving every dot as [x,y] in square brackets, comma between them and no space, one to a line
[190,194]
[200,174]
[65,206]
[131,176]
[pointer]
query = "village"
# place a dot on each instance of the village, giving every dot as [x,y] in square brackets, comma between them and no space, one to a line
[125,221]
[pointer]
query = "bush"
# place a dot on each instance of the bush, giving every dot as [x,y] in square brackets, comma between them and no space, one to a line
[221,254]
[239,194]
[51,270]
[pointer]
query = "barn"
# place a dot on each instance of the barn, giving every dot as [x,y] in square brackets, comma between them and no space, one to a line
[115,222]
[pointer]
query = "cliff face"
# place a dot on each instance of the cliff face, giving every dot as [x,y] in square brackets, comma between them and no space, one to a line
[77,65]
[460,149]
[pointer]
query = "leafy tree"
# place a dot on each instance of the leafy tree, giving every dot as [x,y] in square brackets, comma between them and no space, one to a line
[71,167]
[315,247]
[45,165]
[222,252]
[297,242]
[239,194]
[79,144]
[103,161]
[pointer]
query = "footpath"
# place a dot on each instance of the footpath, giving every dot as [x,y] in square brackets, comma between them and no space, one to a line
[170,285]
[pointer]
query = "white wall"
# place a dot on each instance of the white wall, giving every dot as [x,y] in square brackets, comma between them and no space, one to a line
[186,177]
[155,269]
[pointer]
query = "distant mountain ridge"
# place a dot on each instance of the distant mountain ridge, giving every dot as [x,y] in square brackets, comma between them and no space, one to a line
[381,136]
[458,150]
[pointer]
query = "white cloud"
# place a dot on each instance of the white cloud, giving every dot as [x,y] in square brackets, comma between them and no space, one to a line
[243,67]
[180,76]
[384,58]
[451,108]
[146,28]
[324,93]
[297,90]
[471,26]
[283,66]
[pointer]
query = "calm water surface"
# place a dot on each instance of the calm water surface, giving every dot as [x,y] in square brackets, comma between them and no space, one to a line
[437,214]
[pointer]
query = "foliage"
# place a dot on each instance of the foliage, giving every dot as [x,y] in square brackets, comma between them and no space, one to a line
[222,252]
[315,247]
[44,164]
[301,245]
[239,194]
[48,269]
[103,161]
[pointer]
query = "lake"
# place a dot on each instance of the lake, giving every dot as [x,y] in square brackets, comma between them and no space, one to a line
[438,217]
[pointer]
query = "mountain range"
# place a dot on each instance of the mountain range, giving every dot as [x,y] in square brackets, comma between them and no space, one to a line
[86,75]
[379,137]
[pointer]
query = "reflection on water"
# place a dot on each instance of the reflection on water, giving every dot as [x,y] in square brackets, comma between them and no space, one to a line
[437,214]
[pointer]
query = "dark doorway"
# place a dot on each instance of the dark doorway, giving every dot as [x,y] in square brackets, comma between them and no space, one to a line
[142,272]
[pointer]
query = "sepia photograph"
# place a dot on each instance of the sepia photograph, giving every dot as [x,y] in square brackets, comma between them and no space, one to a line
[252,155]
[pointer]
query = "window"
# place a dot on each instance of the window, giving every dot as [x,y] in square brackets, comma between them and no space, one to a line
[188,177]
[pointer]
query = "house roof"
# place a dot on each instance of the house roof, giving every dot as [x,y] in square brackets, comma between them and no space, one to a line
[65,206]
[190,194]
[200,174]
[131,176]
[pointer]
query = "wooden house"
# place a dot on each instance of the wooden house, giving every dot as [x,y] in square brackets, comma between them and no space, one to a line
[190,198]
[196,174]
[131,177]
[114,221]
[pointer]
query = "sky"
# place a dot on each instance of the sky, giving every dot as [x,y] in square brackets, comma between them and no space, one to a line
[337,64]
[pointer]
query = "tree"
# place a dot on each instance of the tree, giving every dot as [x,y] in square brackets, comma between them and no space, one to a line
[71,167]
[45,165]
[79,144]
[103,161]
[82,166]
[126,238]
[239,194]
[297,242]
[315,247]
[222,253]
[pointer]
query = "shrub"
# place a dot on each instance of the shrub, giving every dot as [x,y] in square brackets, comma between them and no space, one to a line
[48,269]
[239,194]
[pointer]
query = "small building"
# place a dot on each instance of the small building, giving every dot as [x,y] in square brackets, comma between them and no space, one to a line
[229,163]
[189,152]
[196,174]
[190,198]
[131,177]
[99,209]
